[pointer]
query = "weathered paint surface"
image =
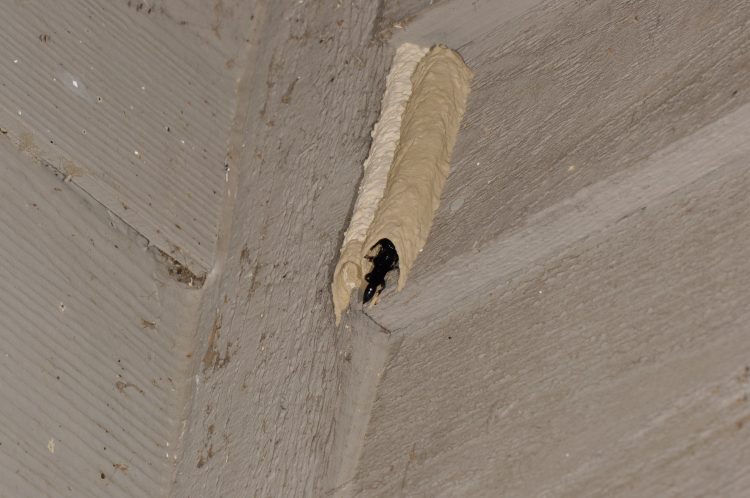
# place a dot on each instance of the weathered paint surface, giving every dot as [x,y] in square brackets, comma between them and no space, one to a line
[577,322]
[97,323]
[130,106]
[94,349]
[615,364]
[266,414]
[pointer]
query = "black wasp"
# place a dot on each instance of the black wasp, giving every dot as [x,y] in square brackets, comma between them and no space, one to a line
[385,260]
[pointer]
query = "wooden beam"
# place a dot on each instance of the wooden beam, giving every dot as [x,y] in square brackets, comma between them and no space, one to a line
[562,121]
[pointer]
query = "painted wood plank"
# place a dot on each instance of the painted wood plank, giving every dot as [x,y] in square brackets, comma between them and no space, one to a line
[578,324]
[396,14]
[466,278]
[224,24]
[265,407]
[555,110]
[93,350]
[134,111]
[616,367]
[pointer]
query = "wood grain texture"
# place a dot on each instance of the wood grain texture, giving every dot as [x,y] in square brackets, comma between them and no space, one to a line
[93,345]
[592,209]
[617,367]
[577,323]
[555,108]
[223,24]
[359,375]
[263,419]
[135,111]
[458,23]
[395,14]
[605,139]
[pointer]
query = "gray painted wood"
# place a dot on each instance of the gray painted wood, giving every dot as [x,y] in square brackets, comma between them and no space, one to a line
[553,111]
[577,323]
[617,367]
[466,278]
[136,112]
[397,14]
[273,407]
[224,25]
[92,345]
[603,356]
[358,378]
[97,336]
